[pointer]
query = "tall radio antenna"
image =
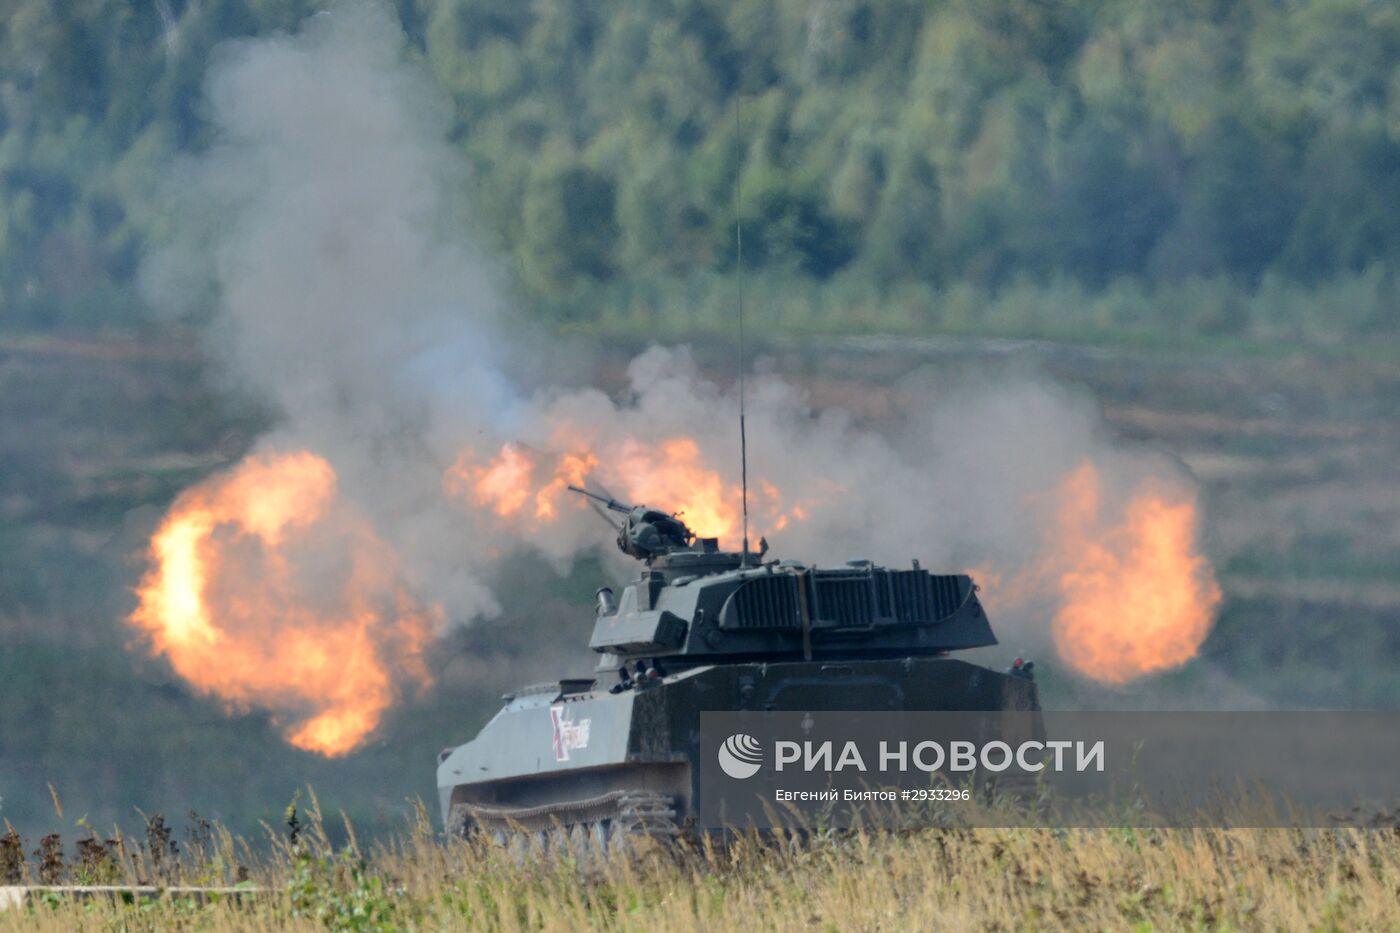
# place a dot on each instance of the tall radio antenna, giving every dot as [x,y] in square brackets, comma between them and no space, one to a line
[739,279]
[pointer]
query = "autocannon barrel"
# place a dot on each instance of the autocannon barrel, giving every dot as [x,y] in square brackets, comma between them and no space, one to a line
[607,501]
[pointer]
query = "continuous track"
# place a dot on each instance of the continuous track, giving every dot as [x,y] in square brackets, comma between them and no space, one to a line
[607,822]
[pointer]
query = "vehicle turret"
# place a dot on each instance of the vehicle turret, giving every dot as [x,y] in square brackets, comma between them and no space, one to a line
[692,603]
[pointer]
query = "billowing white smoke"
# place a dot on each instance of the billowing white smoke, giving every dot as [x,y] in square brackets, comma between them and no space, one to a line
[324,223]
[346,295]
[966,478]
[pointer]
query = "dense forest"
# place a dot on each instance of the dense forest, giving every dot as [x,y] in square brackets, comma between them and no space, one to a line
[1221,167]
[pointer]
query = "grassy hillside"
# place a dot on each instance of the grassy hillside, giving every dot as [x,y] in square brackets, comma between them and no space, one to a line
[966,165]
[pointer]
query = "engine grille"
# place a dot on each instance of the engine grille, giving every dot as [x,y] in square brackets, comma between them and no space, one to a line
[845,599]
[918,596]
[766,603]
[841,598]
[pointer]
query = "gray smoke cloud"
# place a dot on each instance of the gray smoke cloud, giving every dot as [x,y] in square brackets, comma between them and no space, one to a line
[968,477]
[322,224]
[345,296]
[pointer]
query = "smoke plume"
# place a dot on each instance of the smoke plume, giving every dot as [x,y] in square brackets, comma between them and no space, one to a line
[324,226]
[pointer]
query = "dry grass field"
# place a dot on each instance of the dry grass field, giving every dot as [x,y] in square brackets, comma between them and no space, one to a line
[932,880]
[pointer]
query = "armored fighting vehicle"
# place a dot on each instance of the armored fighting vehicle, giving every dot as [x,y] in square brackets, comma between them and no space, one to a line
[601,758]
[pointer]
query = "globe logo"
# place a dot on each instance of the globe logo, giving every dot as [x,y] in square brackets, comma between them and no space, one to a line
[740,756]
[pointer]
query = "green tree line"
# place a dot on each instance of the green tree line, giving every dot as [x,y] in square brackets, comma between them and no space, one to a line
[1206,165]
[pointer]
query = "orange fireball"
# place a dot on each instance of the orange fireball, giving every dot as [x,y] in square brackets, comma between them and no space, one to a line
[670,474]
[508,482]
[267,591]
[1136,595]
[1132,594]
